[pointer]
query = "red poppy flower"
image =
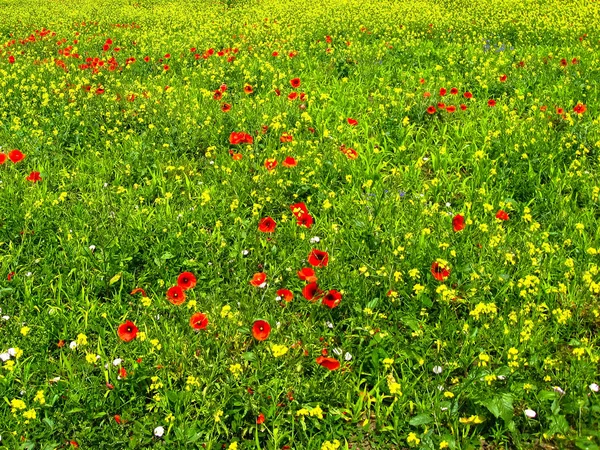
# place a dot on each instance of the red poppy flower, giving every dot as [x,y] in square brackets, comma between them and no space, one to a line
[225,107]
[237,156]
[422,81]
[292,96]
[275,54]
[491,103]
[34,177]
[117,419]
[261,330]
[186,281]
[431,110]
[267,225]
[239,137]
[579,108]
[285,294]
[218,95]
[352,122]
[503,78]
[560,111]
[176,295]
[122,373]
[312,292]
[426,94]
[307,274]
[467,95]
[295,82]
[454,91]
[223,87]
[318,258]
[11,59]
[248,89]
[328,363]
[285,137]
[441,105]
[439,272]
[198,321]
[270,163]
[260,419]
[3,158]
[258,279]
[146,59]
[502,215]
[16,155]
[450,109]
[127,331]
[443,92]
[305,220]
[332,299]
[563,62]
[298,209]
[289,162]
[458,223]
[463,107]
[351,153]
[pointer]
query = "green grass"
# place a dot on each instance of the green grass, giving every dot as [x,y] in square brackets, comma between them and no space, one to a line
[139,183]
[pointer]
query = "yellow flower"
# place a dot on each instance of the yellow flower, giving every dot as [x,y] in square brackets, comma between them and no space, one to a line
[327,445]
[30,414]
[25,331]
[91,358]
[233,446]
[316,412]
[146,301]
[9,365]
[278,350]
[39,397]
[17,404]
[218,415]
[81,339]
[413,440]
[235,369]
[302,412]
[444,444]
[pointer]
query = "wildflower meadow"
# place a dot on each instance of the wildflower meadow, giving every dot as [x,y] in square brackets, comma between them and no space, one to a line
[261,224]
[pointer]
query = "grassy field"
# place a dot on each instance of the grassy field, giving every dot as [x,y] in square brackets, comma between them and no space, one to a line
[299,225]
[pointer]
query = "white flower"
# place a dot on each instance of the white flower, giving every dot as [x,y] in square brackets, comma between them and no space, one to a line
[594,387]
[444,408]
[559,390]
[440,388]
[263,285]
[4,356]
[530,413]
[12,352]
[5,317]
[28,274]
[315,239]
[347,356]
[72,345]
[159,431]
[329,325]
[278,325]
[448,204]
[55,380]
[92,247]
[437,370]
[117,361]
[337,351]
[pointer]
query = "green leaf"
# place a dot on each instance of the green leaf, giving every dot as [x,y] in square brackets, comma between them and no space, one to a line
[420,419]
[114,279]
